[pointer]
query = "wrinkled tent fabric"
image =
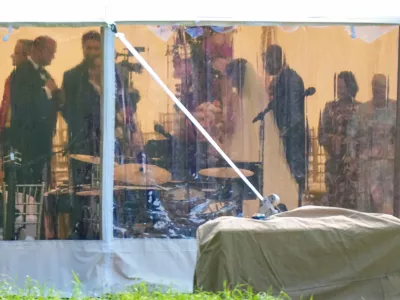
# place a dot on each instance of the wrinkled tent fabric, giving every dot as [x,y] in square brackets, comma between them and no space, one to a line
[367,34]
[329,253]
[173,12]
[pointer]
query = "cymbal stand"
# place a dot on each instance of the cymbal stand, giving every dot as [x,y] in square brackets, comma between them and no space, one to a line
[91,211]
[95,176]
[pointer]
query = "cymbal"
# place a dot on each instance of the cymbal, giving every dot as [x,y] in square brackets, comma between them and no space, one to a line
[210,190]
[141,174]
[138,187]
[155,136]
[89,193]
[176,181]
[95,192]
[224,173]
[57,191]
[86,158]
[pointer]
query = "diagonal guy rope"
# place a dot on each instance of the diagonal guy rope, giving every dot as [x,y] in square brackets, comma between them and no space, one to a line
[153,74]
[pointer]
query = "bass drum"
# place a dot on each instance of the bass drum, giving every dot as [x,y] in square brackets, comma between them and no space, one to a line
[90,224]
[181,200]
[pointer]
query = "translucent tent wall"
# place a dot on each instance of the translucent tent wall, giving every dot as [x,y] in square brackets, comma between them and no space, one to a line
[120,244]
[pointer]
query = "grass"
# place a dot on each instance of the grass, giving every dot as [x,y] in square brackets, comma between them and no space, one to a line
[32,290]
[141,292]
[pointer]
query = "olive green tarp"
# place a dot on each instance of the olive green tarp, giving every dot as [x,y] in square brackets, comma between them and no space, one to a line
[329,253]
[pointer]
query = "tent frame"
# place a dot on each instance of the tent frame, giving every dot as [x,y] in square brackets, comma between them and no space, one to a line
[396,179]
[108,244]
[107,142]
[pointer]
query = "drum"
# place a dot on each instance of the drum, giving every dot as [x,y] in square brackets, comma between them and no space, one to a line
[212,209]
[160,153]
[179,227]
[240,190]
[119,232]
[129,219]
[181,200]
[90,223]
[134,203]
[57,210]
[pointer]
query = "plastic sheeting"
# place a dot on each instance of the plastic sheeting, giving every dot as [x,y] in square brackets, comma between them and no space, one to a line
[344,53]
[165,263]
[221,78]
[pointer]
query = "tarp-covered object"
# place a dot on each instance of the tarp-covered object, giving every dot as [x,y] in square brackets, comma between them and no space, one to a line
[329,253]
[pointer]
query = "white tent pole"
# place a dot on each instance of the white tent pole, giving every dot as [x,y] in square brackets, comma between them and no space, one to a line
[107,153]
[153,74]
[108,136]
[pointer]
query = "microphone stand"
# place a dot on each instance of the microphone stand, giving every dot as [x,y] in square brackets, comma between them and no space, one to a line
[261,137]
[304,186]
[261,117]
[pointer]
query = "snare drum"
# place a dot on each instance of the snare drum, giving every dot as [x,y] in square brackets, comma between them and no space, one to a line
[211,210]
[181,200]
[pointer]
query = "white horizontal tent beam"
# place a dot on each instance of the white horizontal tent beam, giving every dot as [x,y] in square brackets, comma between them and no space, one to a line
[222,12]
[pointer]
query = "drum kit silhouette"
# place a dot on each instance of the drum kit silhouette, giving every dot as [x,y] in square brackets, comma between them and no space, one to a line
[148,202]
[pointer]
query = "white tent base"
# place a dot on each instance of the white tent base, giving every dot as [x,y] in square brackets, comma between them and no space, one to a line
[167,263]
